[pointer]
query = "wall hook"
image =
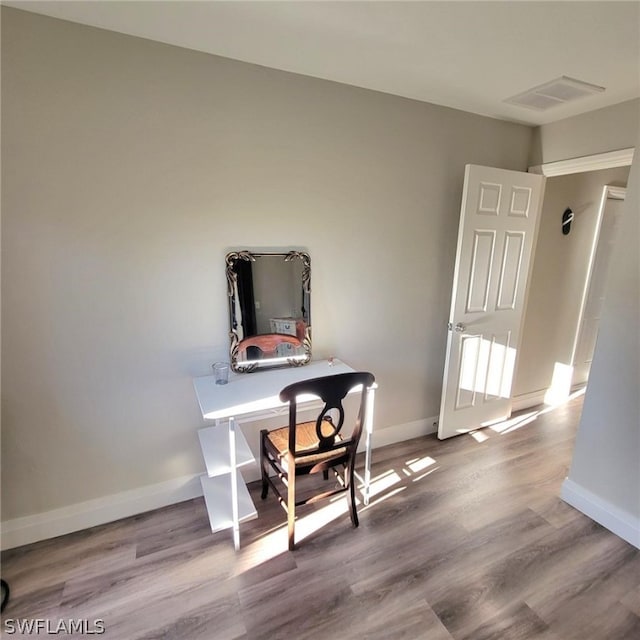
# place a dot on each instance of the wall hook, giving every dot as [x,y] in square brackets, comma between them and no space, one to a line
[567,218]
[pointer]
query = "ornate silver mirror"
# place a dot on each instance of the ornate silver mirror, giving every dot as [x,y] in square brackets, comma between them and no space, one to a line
[269,309]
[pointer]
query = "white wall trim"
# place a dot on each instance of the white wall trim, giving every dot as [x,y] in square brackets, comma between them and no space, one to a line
[528,400]
[57,522]
[406,431]
[615,193]
[608,160]
[620,522]
[537,398]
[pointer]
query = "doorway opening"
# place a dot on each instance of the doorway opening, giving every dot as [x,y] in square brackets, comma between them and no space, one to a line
[569,276]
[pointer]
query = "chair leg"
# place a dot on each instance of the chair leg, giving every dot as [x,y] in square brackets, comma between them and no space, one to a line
[352,500]
[263,465]
[291,506]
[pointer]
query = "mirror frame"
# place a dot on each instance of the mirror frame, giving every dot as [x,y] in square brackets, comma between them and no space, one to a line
[239,366]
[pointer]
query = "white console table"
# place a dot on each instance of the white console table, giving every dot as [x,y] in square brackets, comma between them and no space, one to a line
[249,397]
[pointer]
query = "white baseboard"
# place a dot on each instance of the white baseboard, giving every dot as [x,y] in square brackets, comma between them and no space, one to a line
[536,398]
[406,431]
[620,522]
[57,522]
[527,400]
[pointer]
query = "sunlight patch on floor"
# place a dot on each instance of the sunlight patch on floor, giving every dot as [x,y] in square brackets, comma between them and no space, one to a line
[479,436]
[386,496]
[511,424]
[382,482]
[316,520]
[424,475]
[383,486]
[419,464]
[267,547]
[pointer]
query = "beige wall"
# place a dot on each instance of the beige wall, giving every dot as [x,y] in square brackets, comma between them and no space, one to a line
[129,169]
[608,129]
[559,275]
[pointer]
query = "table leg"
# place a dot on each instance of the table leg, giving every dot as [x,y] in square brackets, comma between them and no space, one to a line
[234,483]
[368,431]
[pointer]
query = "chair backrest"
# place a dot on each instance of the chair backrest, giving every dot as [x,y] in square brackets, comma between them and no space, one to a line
[331,390]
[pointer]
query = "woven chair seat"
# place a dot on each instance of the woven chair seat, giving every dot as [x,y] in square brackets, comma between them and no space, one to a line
[306,440]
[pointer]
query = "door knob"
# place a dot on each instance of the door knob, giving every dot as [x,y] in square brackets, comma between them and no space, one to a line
[459,327]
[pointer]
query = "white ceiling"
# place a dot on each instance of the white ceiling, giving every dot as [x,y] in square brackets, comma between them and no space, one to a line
[466,55]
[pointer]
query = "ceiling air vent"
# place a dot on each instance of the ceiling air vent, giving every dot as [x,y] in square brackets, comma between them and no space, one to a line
[556,92]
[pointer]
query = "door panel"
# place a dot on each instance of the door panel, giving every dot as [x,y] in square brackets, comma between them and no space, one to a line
[510,270]
[480,272]
[498,225]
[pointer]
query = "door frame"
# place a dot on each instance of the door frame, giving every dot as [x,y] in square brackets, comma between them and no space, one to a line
[615,193]
[580,164]
[594,162]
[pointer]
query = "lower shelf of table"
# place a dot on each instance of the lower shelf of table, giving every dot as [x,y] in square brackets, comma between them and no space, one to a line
[217,497]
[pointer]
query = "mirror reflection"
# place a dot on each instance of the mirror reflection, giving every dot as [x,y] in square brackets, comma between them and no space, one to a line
[269,309]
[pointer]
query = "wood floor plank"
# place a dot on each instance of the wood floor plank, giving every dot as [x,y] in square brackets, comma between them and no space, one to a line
[198,613]
[631,599]
[506,582]
[515,623]
[402,621]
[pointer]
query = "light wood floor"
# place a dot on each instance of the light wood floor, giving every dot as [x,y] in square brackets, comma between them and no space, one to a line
[463,539]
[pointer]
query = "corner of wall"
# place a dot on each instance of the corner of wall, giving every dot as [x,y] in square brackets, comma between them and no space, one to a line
[535,148]
[620,522]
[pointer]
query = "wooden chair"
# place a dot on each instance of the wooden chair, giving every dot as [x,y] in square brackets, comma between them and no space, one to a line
[319,445]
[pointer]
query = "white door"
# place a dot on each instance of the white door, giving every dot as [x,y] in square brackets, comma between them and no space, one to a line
[602,250]
[498,227]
